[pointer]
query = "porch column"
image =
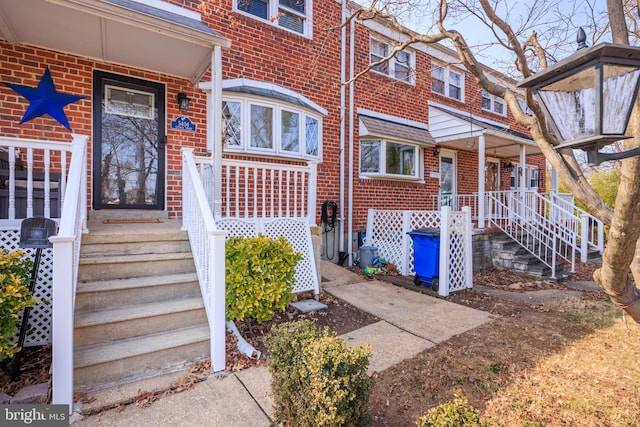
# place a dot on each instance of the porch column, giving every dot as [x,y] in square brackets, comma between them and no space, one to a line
[216,123]
[481,178]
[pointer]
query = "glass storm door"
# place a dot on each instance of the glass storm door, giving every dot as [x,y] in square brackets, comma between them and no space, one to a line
[491,184]
[129,135]
[447,179]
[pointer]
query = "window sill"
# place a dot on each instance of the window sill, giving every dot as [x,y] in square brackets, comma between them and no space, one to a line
[384,177]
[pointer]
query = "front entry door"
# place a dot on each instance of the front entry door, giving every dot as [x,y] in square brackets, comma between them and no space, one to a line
[491,184]
[128,143]
[448,179]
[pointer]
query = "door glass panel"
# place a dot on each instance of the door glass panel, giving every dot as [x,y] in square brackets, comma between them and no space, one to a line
[447,181]
[129,151]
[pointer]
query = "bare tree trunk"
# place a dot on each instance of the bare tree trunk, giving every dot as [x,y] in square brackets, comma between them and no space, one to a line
[622,246]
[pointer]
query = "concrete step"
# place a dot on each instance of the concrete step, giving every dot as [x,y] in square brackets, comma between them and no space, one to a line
[98,295]
[92,327]
[123,361]
[127,266]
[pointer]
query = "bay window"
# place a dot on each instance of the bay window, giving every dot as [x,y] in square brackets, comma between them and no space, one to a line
[267,127]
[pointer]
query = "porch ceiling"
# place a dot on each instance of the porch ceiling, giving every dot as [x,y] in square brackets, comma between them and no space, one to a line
[461,131]
[124,32]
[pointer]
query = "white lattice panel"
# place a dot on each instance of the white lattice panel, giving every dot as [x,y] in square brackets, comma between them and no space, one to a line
[297,233]
[299,236]
[39,332]
[387,235]
[237,227]
[457,269]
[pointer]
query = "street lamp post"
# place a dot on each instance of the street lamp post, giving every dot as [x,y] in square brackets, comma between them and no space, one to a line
[588,97]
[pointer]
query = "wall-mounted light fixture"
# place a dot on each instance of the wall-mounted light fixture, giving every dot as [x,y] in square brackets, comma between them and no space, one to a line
[436,152]
[183,101]
[508,166]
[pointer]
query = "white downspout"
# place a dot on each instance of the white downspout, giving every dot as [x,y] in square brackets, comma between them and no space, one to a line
[350,171]
[481,178]
[343,53]
[216,123]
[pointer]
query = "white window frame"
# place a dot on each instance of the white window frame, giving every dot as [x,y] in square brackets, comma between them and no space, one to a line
[418,160]
[273,12]
[523,105]
[447,73]
[277,149]
[391,65]
[531,173]
[494,101]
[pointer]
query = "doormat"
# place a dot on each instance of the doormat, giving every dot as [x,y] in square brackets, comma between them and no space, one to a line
[131,220]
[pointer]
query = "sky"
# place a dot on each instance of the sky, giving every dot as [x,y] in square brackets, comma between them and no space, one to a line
[477,34]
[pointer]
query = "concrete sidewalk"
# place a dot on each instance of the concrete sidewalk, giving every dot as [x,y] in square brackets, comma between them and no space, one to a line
[410,323]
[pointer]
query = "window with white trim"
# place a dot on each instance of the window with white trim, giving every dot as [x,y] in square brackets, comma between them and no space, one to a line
[531,177]
[292,15]
[493,103]
[447,82]
[523,105]
[383,158]
[267,127]
[399,67]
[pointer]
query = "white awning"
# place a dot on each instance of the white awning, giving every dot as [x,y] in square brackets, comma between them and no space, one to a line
[153,35]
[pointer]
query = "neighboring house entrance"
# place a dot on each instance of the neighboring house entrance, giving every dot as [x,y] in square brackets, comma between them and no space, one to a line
[447,178]
[128,143]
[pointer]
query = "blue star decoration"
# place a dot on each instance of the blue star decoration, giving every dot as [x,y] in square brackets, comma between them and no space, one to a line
[45,99]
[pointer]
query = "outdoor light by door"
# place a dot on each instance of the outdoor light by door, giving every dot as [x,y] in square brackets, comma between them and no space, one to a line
[588,97]
[183,101]
[508,166]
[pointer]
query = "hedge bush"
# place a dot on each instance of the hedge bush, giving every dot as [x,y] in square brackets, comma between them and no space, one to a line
[15,274]
[456,413]
[260,276]
[316,379]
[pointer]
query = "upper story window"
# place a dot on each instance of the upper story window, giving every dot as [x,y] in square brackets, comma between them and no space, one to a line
[266,127]
[523,105]
[381,157]
[493,103]
[293,15]
[447,82]
[399,67]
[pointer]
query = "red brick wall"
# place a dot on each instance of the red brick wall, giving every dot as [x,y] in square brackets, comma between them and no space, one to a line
[262,52]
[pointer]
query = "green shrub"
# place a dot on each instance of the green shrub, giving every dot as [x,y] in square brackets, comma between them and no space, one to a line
[260,275]
[15,273]
[316,379]
[458,413]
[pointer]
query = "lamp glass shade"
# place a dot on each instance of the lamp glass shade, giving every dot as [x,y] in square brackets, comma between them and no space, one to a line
[574,101]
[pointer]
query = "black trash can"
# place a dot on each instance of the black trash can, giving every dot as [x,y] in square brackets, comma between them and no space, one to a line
[426,256]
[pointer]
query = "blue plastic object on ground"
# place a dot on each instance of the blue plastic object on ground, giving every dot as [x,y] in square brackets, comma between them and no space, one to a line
[426,256]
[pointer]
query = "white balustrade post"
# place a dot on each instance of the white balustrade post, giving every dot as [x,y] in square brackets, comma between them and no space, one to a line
[445,252]
[217,302]
[406,240]
[468,247]
[62,321]
[311,209]
[584,237]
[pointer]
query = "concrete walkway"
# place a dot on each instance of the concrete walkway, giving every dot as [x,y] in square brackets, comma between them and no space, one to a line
[410,323]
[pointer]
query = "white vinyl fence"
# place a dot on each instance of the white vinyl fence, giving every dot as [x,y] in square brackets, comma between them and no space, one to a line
[387,231]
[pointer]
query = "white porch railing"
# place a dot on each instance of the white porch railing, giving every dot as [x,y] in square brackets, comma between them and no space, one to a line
[526,220]
[66,253]
[33,178]
[208,246]
[268,190]
[590,228]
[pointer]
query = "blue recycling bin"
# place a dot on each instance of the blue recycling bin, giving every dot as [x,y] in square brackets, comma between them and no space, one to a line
[426,256]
